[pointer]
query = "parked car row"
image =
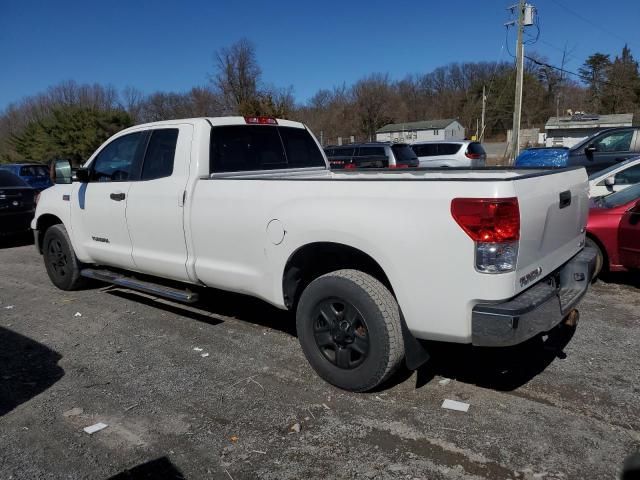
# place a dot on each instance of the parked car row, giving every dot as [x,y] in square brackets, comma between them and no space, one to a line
[613,230]
[595,153]
[17,203]
[35,175]
[371,155]
[454,153]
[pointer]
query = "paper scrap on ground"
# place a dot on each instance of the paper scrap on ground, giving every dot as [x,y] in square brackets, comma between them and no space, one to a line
[9,307]
[204,355]
[197,349]
[77,314]
[444,381]
[454,405]
[95,428]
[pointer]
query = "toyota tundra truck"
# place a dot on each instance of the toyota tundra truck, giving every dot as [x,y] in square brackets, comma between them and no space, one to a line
[370,261]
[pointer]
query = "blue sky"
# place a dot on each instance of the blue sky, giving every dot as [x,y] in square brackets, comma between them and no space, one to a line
[169,45]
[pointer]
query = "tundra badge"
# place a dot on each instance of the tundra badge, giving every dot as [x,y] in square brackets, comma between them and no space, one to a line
[530,277]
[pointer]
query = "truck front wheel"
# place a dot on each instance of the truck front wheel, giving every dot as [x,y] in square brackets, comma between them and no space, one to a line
[349,328]
[60,260]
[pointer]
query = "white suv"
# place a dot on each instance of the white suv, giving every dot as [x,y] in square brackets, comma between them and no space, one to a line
[453,153]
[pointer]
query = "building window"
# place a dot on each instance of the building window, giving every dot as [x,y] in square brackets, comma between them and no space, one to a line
[436,132]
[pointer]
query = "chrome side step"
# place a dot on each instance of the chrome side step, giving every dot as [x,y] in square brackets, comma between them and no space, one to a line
[108,276]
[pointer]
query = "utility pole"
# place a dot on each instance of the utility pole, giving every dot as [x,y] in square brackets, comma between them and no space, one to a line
[484,107]
[517,110]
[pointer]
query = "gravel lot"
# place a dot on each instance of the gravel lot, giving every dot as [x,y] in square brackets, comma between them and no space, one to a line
[129,361]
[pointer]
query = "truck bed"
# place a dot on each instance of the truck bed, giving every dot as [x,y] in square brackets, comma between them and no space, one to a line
[431,174]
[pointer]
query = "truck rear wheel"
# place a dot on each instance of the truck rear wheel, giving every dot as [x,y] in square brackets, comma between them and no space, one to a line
[349,329]
[60,260]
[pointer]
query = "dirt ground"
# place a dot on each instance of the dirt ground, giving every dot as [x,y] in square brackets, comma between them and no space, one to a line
[568,408]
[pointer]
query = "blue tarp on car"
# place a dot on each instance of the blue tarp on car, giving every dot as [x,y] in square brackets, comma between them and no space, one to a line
[543,157]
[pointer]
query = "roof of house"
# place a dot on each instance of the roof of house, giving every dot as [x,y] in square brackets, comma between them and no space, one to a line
[422,125]
[588,120]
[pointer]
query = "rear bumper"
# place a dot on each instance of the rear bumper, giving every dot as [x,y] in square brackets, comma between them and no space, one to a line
[537,309]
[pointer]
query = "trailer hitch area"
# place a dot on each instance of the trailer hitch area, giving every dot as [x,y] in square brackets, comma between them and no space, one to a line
[572,318]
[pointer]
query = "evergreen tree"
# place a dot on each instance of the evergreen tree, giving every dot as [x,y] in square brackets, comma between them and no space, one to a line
[621,94]
[595,73]
[69,132]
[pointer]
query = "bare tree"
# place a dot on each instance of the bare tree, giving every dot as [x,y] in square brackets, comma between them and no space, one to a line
[238,76]
[132,101]
[373,98]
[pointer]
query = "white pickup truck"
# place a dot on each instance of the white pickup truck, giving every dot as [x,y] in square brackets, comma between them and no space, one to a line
[370,261]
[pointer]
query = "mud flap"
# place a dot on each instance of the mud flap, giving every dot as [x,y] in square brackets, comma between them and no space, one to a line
[415,355]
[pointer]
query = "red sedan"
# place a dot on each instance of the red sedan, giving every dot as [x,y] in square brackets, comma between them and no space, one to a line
[614,230]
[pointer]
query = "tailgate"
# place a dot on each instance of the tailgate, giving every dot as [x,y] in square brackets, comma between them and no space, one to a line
[553,217]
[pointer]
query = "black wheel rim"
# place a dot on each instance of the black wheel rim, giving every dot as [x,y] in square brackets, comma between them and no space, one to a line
[340,333]
[57,258]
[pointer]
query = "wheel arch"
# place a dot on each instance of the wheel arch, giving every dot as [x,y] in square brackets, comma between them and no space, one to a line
[313,260]
[44,222]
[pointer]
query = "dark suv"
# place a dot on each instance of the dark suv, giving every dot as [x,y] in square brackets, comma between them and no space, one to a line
[371,155]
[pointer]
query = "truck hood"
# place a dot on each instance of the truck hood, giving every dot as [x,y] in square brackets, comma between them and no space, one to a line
[543,157]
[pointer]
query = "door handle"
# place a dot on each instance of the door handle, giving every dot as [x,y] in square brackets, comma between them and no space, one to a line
[118,197]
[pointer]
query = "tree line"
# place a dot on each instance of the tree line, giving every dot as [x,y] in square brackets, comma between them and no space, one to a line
[71,120]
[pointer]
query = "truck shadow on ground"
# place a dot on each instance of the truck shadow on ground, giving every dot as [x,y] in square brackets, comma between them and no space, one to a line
[217,303]
[159,469]
[631,279]
[18,240]
[27,368]
[503,369]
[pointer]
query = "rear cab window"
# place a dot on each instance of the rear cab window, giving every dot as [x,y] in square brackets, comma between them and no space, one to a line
[245,148]
[160,154]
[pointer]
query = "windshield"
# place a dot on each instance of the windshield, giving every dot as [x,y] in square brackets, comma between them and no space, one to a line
[403,153]
[8,179]
[620,198]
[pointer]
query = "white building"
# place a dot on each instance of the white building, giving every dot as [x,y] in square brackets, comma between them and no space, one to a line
[409,132]
[568,131]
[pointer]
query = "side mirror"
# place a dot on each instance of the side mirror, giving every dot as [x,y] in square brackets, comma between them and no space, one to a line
[60,172]
[610,181]
[590,150]
[83,175]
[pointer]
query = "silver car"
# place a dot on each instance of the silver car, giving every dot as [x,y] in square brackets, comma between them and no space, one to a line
[451,153]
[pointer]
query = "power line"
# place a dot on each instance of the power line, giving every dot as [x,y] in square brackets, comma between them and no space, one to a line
[592,23]
[579,75]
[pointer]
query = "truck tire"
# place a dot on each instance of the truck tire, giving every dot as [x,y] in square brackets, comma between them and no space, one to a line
[349,328]
[60,260]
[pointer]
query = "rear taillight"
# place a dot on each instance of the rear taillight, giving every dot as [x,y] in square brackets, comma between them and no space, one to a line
[473,156]
[399,165]
[36,197]
[261,120]
[494,225]
[350,166]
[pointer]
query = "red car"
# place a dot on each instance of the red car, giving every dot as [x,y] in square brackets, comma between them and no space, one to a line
[614,230]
